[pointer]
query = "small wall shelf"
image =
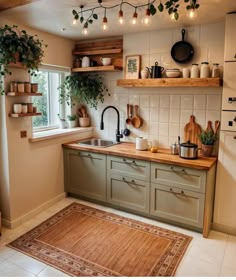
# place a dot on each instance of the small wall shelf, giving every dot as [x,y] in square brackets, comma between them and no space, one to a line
[171,82]
[97,52]
[20,115]
[24,94]
[98,68]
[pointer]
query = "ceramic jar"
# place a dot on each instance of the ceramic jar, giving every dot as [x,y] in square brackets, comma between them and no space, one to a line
[27,87]
[194,71]
[205,70]
[24,108]
[215,71]
[20,87]
[13,86]
[17,108]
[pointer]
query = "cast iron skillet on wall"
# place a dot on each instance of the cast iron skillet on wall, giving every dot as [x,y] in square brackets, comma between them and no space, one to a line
[182,51]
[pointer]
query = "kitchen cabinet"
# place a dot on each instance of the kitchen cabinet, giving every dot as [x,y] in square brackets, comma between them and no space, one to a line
[85,174]
[225,207]
[178,194]
[229,89]
[128,183]
[230,39]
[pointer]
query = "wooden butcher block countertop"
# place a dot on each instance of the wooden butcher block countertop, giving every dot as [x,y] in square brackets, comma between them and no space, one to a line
[127,149]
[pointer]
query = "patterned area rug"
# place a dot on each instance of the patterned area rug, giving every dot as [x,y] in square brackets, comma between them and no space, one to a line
[84,241]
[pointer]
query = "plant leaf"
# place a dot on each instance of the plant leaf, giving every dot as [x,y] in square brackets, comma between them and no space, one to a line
[160,7]
[95,16]
[153,10]
[81,19]
[74,12]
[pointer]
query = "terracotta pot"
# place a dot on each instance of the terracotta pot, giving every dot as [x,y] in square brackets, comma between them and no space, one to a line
[84,122]
[207,150]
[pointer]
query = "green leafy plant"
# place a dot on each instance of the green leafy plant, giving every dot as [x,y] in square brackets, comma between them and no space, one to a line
[71,117]
[207,137]
[83,88]
[17,46]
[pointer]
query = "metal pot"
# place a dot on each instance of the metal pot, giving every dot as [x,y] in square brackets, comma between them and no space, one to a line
[188,150]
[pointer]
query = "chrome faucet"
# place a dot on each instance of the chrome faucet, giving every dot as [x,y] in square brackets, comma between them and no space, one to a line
[118,134]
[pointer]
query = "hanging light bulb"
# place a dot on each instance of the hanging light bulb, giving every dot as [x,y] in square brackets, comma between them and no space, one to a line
[134,19]
[121,17]
[146,20]
[104,25]
[85,30]
[192,13]
[172,17]
[74,21]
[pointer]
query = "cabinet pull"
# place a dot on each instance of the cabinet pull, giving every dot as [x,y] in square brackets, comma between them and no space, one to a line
[235,56]
[181,193]
[178,171]
[131,182]
[129,162]
[235,137]
[231,99]
[234,119]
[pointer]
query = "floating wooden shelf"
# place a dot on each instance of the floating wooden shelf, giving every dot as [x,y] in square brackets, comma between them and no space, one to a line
[98,68]
[97,52]
[17,65]
[24,94]
[13,115]
[171,82]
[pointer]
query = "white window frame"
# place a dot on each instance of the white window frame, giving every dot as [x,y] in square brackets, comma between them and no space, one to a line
[62,106]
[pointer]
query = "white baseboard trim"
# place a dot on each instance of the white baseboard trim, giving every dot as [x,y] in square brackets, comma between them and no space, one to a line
[32,213]
[224,228]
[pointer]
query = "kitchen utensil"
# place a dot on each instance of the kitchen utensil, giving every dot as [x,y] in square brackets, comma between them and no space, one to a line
[155,71]
[17,108]
[209,127]
[174,149]
[136,120]
[188,150]
[141,144]
[126,132]
[105,60]
[182,51]
[84,111]
[85,61]
[217,126]
[129,115]
[173,73]
[191,131]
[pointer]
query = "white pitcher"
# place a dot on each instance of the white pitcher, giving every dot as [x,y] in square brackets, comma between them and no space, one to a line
[85,61]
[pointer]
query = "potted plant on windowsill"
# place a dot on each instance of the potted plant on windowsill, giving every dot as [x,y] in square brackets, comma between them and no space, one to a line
[18,46]
[83,88]
[72,121]
[207,139]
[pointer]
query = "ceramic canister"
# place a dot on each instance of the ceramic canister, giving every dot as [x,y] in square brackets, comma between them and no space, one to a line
[141,144]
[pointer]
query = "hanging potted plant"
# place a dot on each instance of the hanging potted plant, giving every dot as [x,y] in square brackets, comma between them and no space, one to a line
[18,46]
[83,88]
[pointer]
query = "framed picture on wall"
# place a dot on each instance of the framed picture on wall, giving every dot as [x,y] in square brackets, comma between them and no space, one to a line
[132,66]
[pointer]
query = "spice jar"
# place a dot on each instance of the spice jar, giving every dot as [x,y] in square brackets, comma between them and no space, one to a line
[13,86]
[27,87]
[20,87]
[194,71]
[24,108]
[30,107]
[34,88]
[205,70]
[215,70]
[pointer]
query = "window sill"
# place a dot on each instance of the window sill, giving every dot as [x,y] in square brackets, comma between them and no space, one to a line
[55,133]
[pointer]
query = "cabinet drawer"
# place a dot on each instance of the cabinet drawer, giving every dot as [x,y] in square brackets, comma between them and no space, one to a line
[176,176]
[138,169]
[178,205]
[128,192]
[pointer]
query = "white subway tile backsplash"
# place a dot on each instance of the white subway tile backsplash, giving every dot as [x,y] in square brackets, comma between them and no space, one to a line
[175,101]
[134,99]
[185,116]
[164,115]
[164,101]
[173,130]
[174,115]
[199,102]
[186,102]
[163,140]
[200,117]
[154,128]
[163,129]
[154,114]
[144,101]
[213,102]
[212,116]
[154,101]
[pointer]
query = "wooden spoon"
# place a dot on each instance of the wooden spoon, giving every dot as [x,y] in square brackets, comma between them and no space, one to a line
[129,116]
[136,120]
[217,125]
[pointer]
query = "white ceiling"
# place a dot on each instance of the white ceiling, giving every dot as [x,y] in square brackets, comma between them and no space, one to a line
[53,15]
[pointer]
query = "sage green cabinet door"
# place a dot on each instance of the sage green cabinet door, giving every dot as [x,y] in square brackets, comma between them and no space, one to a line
[178,205]
[128,192]
[123,166]
[85,174]
[177,176]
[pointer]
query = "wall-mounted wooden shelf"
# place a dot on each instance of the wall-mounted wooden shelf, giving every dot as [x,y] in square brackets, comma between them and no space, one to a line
[17,65]
[24,94]
[171,82]
[97,52]
[98,68]
[13,115]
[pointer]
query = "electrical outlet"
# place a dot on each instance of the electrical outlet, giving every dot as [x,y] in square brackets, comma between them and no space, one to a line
[23,134]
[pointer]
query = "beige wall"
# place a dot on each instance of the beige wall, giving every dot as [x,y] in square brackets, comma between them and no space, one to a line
[31,174]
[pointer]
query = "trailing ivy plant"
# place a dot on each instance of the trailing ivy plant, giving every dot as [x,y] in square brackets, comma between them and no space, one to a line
[83,88]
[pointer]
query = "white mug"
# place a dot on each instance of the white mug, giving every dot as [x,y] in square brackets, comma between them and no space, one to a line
[105,60]
[144,74]
[17,108]
[141,144]
[186,73]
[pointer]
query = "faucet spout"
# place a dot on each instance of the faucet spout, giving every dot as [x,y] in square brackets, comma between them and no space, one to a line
[118,134]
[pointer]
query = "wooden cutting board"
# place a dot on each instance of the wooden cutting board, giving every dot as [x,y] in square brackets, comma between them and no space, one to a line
[191,131]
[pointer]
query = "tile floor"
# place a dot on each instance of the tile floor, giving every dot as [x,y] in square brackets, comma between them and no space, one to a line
[214,256]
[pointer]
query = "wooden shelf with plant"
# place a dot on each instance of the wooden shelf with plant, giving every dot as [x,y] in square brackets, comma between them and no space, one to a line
[20,115]
[24,94]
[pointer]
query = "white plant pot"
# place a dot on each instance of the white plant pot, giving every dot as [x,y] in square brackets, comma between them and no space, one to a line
[72,124]
[63,124]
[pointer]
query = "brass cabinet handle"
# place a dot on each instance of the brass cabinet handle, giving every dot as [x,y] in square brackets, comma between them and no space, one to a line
[178,171]
[181,193]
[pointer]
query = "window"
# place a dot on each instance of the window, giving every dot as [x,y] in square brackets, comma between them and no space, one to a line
[48,82]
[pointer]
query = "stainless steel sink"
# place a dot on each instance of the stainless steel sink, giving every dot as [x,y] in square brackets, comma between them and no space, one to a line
[101,143]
